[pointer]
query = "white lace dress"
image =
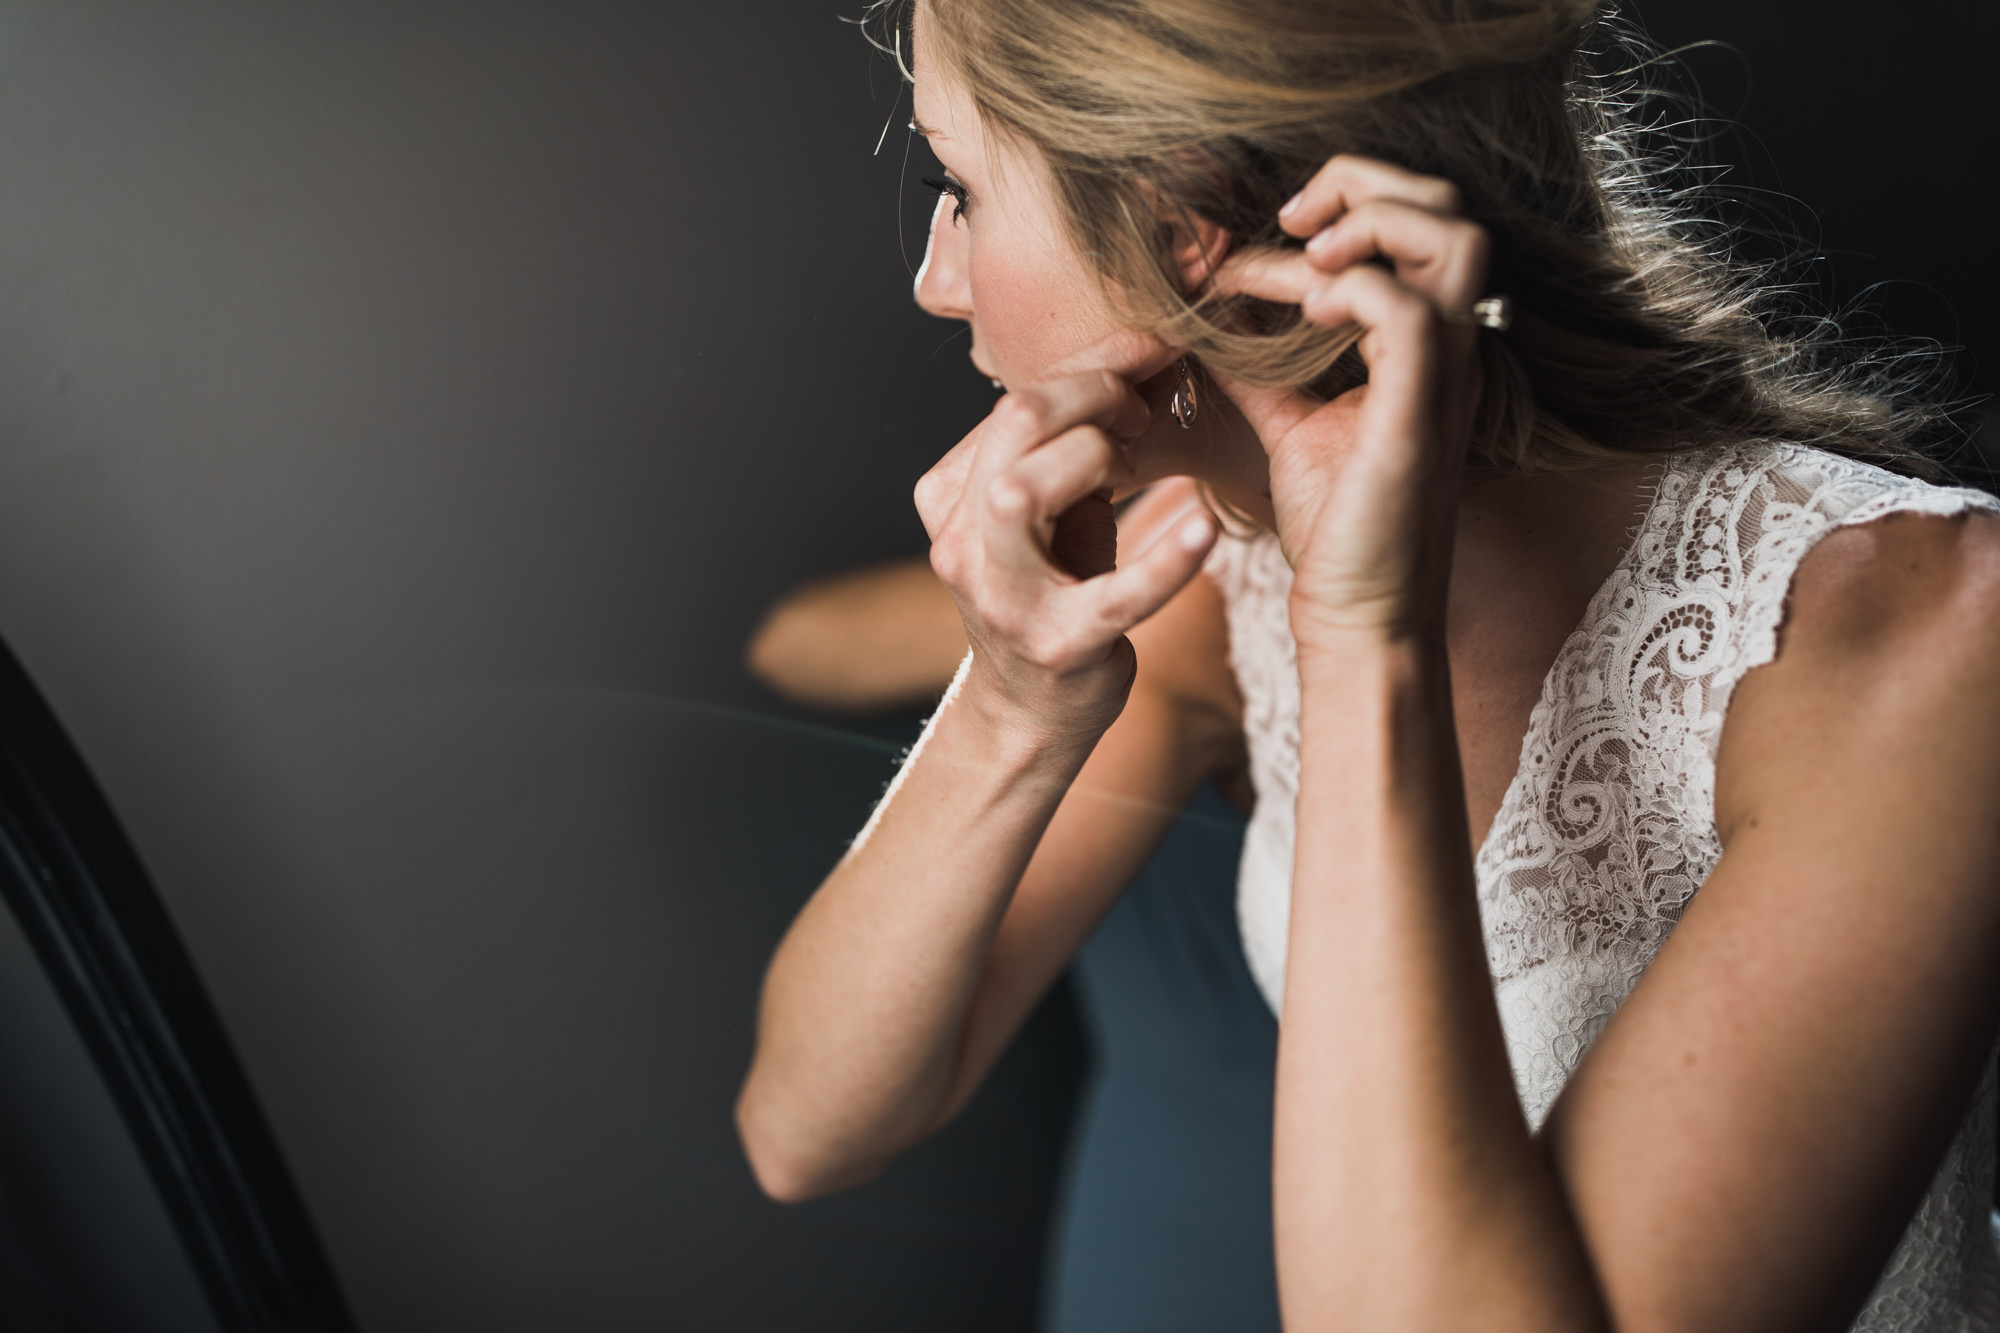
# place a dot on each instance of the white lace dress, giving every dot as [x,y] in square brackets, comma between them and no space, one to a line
[1608,827]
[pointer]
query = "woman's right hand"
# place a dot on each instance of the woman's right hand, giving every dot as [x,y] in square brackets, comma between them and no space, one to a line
[1022,534]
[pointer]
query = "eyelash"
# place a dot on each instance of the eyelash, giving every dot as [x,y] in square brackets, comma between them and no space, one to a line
[946,185]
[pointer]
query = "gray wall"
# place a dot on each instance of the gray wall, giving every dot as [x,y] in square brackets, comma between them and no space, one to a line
[405,411]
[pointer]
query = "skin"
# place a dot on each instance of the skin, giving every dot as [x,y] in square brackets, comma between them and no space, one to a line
[1744,1143]
[877,638]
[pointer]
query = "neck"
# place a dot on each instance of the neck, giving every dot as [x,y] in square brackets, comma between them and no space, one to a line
[1549,538]
[1220,450]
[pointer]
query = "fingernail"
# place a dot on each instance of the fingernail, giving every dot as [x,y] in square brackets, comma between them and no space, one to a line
[1196,531]
[1291,205]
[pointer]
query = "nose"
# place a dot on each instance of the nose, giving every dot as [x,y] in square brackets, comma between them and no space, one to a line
[942,287]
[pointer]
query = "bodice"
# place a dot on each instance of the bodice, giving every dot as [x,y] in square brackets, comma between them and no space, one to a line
[1608,827]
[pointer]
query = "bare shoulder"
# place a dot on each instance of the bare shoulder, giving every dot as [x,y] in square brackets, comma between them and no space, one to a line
[1878,585]
[1890,643]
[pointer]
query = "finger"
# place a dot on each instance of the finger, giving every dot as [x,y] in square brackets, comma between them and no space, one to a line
[1017,522]
[938,490]
[1445,258]
[1134,591]
[1068,468]
[1348,180]
[1400,342]
[1021,421]
[1271,275]
[1027,418]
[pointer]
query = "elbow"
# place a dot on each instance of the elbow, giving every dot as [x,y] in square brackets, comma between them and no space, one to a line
[782,1180]
[789,656]
[771,654]
[786,1171]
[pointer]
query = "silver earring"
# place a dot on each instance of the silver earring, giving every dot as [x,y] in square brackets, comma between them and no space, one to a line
[1186,404]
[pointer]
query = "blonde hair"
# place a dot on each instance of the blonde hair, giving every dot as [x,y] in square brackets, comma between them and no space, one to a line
[1634,330]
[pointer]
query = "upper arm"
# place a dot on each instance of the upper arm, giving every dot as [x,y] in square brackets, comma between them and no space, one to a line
[1747,1140]
[1181,724]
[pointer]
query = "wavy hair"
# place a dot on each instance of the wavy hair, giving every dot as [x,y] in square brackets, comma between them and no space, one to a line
[1635,329]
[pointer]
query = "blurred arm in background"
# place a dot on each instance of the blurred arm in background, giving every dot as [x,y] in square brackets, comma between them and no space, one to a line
[870,639]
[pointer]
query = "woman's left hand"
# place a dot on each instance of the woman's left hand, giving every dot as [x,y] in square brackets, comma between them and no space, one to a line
[1365,487]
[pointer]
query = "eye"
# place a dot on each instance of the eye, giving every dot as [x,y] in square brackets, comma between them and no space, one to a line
[946,185]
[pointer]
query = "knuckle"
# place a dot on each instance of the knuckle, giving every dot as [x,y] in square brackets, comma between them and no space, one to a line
[1368,282]
[1447,197]
[1357,278]
[947,560]
[1008,496]
[1093,444]
[1022,411]
[1116,613]
[1477,242]
[1409,315]
[1048,650]
[1321,303]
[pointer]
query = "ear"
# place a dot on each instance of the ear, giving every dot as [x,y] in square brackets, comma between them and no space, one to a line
[1198,246]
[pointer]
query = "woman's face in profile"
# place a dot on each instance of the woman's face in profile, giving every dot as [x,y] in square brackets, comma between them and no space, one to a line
[999,256]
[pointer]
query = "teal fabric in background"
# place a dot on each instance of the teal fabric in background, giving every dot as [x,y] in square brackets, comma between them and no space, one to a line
[1164,1219]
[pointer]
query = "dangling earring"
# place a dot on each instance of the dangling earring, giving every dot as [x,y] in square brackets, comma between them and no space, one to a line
[1186,404]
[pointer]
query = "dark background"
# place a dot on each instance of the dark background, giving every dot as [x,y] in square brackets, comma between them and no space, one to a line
[406,411]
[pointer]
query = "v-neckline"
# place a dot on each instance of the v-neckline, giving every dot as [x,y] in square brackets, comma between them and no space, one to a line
[1585,627]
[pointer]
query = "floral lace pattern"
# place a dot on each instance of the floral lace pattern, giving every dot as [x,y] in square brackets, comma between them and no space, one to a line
[1608,827]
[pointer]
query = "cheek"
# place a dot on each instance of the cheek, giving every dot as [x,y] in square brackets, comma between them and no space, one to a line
[1032,311]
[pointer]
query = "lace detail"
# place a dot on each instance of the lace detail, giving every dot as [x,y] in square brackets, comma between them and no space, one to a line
[1256,585]
[1608,827]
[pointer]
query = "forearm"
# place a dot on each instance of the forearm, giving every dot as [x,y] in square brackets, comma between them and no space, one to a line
[1409,1190]
[879,637]
[861,1031]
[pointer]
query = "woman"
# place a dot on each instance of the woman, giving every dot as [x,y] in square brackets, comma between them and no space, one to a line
[1771,680]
